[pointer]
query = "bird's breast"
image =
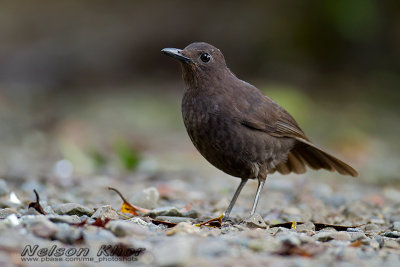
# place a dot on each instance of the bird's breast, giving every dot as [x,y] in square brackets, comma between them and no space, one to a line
[216,136]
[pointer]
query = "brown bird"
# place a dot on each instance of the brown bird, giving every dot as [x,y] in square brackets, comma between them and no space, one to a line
[238,129]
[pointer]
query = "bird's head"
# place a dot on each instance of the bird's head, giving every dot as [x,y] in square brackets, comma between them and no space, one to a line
[200,61]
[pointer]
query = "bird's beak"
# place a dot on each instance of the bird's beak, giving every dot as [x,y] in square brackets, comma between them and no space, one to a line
[176,53]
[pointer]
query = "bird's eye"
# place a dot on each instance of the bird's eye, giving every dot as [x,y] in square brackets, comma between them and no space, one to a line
[205,57]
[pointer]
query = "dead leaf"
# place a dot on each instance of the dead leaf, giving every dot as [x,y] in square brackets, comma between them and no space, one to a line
[288,225]
[215,222]
[128,207]
[100,222]
[36,205]
[168,224]
[356,244]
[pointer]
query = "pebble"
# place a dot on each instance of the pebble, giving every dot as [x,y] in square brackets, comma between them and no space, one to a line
[12,202]
[70,219]
[164,211]
[184,228]
[137,220]
[372,228]
[68,234]
[43,228]
[289,239]
[396,226]
[354,236]
[380,240]
[173,219]
[105,212]
[325,236]
[191,214]
[307,227]
[255,221]
[11,220]
[124,228]
[4,213]
[147,198]
[390,243]
[72,209]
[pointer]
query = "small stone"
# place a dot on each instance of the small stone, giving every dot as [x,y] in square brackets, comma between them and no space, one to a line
[42,227]
[255,221]
[30,211]
[289,239]
[70,219]
[354,236]
[191,214]
[3,188]
[393,234]
[137,220]
[380,240]
[305,227]
[373,243]
[396,226]
[164,211]
[390,243]
[48,210]
[105,212]
[342,236]
[173,219]
[98,236]
[68,234]
[350,229]
[72,209]
[12,202]
[324,236]
[305,239]
[147,198]
[4,213]
[124,228]
[372,227]
[11,220]
[183,228]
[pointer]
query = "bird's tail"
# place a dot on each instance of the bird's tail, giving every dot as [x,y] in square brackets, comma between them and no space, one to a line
[306,153]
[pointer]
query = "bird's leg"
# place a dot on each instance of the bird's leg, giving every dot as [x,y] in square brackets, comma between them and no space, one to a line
[261,182]
[235,196]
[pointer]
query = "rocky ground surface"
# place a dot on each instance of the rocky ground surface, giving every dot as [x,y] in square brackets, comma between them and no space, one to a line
[345,222]
[71,151]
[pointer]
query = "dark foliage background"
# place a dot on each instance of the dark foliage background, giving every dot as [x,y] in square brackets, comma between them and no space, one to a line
[84,81]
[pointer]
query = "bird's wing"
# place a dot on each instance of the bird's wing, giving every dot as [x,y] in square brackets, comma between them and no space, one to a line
[266,115]
[269,117]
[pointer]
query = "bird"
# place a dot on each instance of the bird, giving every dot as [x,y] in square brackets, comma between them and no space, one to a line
[238,129]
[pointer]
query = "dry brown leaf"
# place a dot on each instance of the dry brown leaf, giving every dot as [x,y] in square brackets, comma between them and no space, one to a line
[128,207]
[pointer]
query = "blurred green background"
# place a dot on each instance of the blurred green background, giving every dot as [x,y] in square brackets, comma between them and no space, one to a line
[84,89]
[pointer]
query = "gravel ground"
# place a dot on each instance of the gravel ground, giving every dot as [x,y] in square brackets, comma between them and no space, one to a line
[369,217]
[340,220]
